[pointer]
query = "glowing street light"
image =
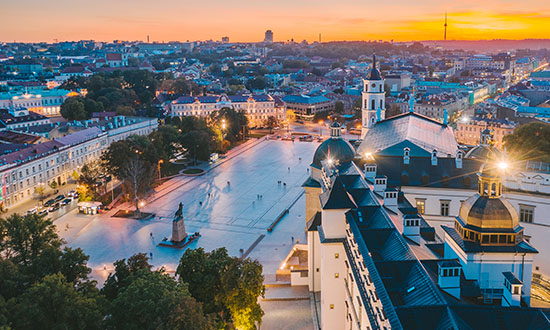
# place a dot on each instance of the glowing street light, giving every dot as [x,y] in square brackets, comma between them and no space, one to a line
[223,124]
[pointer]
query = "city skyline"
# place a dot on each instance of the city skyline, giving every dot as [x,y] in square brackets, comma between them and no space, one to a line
[246,21]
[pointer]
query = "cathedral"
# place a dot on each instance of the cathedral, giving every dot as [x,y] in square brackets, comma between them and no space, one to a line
[374,260]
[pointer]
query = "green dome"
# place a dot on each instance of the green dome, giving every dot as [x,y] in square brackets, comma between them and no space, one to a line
[338,149]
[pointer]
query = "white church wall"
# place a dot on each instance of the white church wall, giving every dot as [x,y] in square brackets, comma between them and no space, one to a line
[332,284]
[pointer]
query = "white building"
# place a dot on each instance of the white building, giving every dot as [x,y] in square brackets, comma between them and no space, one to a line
[378,263]
[40,164]
[45,102]
[257,108]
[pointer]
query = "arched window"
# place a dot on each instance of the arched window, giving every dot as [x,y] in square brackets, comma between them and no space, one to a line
[493,189]
[381,106]
[485,188]
[380,87]
[372,104]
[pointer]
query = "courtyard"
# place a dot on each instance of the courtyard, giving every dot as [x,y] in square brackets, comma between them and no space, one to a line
[231,206]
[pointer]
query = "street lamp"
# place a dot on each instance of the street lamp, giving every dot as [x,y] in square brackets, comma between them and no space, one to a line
[223,124]
[160,162]
[195,160]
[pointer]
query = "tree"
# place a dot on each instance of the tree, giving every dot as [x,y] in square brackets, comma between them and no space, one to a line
[90,175]
[156,301]
[53,184]
[124,273]
[24,238]
[227,286]
[124,110]
[54,303]
[167,139]
[256,83]
[339,107]
[530,142]
[73,109]
[137,179]
[39,191]
[272,122]
[242,283]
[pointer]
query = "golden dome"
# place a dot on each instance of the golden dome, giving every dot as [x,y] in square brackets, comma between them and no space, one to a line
[486,212]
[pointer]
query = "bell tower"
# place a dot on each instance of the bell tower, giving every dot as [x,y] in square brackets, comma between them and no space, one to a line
[373,106]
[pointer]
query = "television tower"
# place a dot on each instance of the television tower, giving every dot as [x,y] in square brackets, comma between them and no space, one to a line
[445,25]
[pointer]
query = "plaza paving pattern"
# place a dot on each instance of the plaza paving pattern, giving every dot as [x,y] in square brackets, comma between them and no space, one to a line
[232,216]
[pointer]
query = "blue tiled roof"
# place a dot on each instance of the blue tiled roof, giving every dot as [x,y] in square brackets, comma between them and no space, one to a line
[305,99]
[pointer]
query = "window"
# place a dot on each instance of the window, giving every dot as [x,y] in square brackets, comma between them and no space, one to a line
[420,205]
[445,207]
[516,289]
[526,213]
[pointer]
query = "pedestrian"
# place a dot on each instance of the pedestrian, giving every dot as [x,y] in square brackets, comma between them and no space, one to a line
[151,255]
[292,240]
[308,169]
[284,184]
[151,235]
[200,203]
[289,169]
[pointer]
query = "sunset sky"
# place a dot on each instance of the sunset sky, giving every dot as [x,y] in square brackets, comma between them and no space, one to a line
[247,20]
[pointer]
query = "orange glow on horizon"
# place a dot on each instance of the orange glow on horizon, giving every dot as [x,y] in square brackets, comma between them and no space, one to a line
[247,20]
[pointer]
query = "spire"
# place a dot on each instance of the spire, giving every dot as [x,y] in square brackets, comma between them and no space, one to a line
[374,60]
[411,102]
[445,117]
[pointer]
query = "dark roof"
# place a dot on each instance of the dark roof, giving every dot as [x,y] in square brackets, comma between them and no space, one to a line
[338,149]
[337,197]
[420,172]
[468,246]
[482,152]
[511,278]
[374,74]
[314,222]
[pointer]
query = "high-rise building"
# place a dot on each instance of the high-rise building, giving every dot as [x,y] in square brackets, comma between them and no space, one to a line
[268,36]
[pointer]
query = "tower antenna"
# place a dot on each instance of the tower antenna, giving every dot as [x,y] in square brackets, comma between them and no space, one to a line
[445,25]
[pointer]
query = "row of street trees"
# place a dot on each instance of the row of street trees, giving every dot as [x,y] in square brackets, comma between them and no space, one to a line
[44,285]
[136,160]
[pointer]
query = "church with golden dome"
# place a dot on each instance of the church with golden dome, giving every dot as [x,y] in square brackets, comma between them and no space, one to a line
[375,261]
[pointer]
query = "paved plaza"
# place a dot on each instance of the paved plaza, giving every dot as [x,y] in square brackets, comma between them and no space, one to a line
[231,215]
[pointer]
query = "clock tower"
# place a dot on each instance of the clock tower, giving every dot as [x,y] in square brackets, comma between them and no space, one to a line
[373,107]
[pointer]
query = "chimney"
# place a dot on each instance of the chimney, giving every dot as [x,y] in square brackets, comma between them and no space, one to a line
[406,155]
[448,277]
[390,197]
[380,183]
[434,158]
[511,295]
[370,171]
[411,227]
[458,159]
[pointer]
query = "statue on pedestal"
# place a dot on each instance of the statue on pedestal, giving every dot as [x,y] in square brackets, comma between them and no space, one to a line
[178,227]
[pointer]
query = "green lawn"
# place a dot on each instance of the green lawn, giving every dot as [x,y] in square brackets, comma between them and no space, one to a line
[192,171]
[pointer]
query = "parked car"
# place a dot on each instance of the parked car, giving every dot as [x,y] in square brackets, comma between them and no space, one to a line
[66,201]
[71,193]
[50,202]
[43,212]
[32,211]
[59,198]
[54,207]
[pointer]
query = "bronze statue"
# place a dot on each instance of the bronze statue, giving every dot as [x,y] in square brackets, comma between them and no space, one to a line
[179,212]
